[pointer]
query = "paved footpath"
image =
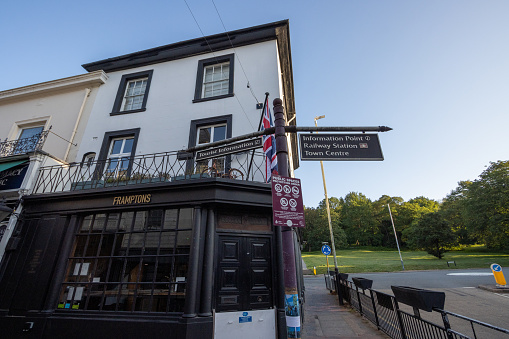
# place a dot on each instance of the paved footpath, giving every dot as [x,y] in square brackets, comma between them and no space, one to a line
[324,318]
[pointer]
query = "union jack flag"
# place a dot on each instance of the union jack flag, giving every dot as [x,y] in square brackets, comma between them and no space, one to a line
[269,144]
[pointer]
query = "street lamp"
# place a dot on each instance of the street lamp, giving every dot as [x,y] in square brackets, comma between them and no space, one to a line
[395,235]
[328,209]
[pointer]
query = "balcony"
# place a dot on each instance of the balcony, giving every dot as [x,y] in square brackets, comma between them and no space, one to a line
[23,146]
[148,169]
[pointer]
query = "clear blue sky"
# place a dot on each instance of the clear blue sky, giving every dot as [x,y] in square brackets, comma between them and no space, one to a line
[436,71]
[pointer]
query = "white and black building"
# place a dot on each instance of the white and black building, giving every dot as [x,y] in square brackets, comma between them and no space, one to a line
[137,237]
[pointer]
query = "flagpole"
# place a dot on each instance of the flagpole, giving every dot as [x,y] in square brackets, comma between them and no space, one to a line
[259,127]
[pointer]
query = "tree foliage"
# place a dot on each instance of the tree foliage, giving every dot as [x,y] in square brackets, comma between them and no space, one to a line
[486,206]
[475,212]
[431,233]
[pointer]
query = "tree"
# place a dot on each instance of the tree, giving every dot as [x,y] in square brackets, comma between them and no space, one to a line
[383,219]
[453,210]
[358,220]
[317,226]
[411,211]
[486,207]
[431,233]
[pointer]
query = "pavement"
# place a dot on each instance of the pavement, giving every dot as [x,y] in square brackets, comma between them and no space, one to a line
[325,318]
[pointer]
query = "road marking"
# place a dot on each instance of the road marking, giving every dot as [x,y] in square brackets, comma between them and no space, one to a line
[502,295]
[469,287]
[475,274]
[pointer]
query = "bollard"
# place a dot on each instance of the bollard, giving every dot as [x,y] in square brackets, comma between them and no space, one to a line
[314,270]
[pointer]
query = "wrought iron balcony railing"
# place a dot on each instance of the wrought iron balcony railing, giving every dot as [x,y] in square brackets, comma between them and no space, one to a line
[146,169]
[23,146]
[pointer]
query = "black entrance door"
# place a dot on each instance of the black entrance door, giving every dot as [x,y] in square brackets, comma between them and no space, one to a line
[244,273]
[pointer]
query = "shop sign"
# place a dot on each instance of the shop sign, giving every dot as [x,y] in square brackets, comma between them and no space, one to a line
[13,177]
[132,199]
[287,205]
[341,147]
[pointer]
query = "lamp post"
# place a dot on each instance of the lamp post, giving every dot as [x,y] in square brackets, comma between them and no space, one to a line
[328,209]
[396,236]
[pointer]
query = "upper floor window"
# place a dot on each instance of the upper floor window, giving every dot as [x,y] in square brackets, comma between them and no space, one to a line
[119,154]
[28,140]
[117,151]
[214,78]
[30,132]
[132,93]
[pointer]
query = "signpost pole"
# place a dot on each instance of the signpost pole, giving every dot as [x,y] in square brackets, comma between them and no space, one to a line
[328,209]
[292,304]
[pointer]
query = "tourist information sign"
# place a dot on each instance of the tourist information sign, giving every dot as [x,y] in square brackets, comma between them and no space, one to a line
[337,146]
[229,149]
[287,205]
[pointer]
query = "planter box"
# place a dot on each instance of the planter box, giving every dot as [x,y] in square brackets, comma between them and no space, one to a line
[424,300]
[362,283]
[343,276]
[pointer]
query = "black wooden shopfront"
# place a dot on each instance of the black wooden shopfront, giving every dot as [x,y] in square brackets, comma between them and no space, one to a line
[145,261]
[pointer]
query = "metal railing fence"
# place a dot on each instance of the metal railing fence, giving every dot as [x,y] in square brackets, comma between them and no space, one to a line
[147,169]
[23,146]
[384,312]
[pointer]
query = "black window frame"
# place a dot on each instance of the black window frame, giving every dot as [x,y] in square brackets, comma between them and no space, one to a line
[199,77]
[97,227]
[193,130]
[105,147]
[117,106]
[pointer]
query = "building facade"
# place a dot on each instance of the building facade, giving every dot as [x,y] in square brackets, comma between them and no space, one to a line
[42,125]
[140,236]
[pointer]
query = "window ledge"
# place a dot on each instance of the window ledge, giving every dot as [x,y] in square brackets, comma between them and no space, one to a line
[129,112]
[213,98]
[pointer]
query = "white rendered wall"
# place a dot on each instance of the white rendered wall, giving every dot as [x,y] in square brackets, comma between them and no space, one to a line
[165,124]
[59,108]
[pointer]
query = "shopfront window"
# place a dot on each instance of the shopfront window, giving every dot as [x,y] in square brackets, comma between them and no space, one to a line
[130,262]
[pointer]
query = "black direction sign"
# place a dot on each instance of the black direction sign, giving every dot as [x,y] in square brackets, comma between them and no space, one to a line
[341,147]
[229,149]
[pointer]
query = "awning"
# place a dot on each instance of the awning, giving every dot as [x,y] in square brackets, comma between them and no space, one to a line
[7,165]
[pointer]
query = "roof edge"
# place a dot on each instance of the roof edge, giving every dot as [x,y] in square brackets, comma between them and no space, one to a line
[83,80]
[187,48]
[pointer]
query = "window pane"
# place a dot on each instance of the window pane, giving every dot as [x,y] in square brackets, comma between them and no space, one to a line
[99,222]
[125,221]
[112,223]
[128,145]
[170,219]
[219,133]
[139,221]
[204,135]
[117,146]
[85,225]
[186,218]
[30,132]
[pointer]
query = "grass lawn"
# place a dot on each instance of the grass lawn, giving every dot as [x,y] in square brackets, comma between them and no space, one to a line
[373,260]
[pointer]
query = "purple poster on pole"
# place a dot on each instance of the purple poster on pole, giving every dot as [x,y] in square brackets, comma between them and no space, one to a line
[287,205]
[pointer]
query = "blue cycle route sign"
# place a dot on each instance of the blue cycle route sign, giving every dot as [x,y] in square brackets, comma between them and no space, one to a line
[326,249]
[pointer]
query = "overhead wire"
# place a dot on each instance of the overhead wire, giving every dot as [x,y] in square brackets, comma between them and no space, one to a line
[212,51]
[236,55]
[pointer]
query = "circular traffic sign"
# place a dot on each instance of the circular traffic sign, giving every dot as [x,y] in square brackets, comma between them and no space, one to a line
[326,249]
[496,268]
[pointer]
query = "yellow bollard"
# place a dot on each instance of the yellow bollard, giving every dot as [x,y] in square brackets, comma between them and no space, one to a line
[499,276]
[314,270]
